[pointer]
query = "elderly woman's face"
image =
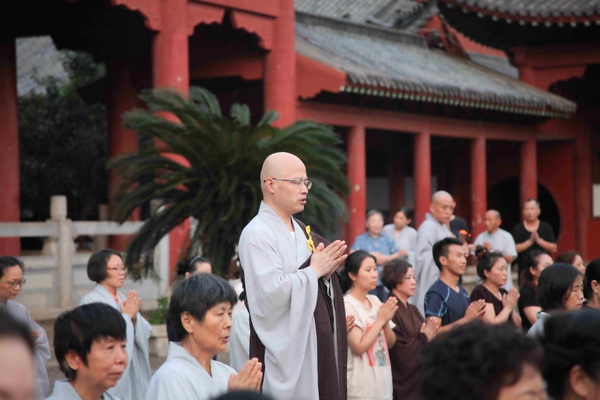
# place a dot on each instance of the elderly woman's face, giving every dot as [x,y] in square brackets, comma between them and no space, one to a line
[212,334]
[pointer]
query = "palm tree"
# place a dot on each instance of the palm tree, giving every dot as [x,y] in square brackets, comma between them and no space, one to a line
[220,185]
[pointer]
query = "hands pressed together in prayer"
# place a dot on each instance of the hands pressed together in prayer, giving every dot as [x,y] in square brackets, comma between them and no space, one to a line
[510,299]
[430,328]
[475,310]
[387,311]
[131,305]
[248,378]
[325,260]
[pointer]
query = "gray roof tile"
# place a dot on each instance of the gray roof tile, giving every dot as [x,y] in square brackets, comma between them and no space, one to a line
[378,58]
[537,9]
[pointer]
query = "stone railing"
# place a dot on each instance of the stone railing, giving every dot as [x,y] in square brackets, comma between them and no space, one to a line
[56,279]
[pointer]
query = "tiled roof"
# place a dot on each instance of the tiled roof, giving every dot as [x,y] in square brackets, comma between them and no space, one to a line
[386,13]
[540,11]
[387,63]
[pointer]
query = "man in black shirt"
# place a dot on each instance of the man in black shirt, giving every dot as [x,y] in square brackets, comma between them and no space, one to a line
[532,234]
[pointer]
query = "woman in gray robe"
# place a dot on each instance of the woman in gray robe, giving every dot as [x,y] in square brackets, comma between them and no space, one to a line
[107,270]
[11,283]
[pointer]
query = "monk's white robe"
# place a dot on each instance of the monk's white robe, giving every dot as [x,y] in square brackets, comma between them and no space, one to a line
[282,301]
[133,383]
[41,350]
[181,377]
[63,390]
[426,271]
[239,339]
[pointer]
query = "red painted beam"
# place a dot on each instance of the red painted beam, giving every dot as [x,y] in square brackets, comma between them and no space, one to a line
[248,67]
[347,116]
[9,145]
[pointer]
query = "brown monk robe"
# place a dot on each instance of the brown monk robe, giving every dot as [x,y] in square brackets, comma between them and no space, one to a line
[332,368]
[404,355]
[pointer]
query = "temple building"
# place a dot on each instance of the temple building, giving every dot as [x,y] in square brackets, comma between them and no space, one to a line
[493,103]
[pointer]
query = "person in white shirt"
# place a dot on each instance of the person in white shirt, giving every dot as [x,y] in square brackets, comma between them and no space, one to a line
[497,239]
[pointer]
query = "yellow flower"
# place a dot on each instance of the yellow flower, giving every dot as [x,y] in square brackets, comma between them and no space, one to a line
[310,242]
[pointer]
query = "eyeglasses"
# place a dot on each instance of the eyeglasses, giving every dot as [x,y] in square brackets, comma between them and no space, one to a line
[296,181]
[118,269]
[14,284]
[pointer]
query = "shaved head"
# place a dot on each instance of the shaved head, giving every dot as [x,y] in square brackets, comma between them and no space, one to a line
[440,196]
[279,192]
[274,165]
[492,220]
[493,213]
[442,206]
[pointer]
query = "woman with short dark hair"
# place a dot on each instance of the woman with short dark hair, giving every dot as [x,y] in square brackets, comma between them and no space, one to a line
[591,289]
[200,309]
[90,347]
[528,302]
[107,270]
[412,333]
[560,289]
[477,361]
[11,283]
[572,355]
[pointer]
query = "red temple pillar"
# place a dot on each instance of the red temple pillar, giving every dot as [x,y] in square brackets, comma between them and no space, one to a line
[583,187]
[478,185]
[122,97]
[280,67]
[357,177]
[395,182]
[528,177]
[170,63]
[422,176]
[9,144]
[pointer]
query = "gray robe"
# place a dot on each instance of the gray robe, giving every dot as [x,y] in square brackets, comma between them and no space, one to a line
[133,383]
[426,271]
[63,390]
[282,302]
[41,351]
[181,377]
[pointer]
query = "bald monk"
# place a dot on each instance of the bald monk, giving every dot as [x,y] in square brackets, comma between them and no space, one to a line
[297,317]
[433,229]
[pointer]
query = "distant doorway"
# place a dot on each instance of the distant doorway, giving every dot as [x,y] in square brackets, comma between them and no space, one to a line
[504,197]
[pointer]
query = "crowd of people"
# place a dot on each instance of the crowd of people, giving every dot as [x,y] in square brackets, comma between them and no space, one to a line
[386,318]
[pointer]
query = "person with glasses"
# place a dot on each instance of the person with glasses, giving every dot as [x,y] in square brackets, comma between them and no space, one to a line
[107,270]
[11,283]
[294,296]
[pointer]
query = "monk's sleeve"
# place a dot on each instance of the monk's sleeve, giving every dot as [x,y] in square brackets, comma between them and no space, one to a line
[281,298]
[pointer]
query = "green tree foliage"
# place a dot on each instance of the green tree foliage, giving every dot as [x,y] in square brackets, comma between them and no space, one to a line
[62,145]
[220,185]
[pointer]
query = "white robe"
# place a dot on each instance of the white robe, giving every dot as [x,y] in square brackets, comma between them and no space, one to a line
[282,301]
[239,339]
[426,271]
[63,390]
[41,350]
[181,377]
[133,383]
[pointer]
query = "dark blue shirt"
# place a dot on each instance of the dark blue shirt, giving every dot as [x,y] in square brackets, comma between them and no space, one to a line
[443,302]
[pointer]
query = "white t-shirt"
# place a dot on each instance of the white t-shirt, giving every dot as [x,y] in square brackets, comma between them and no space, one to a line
[369,374]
